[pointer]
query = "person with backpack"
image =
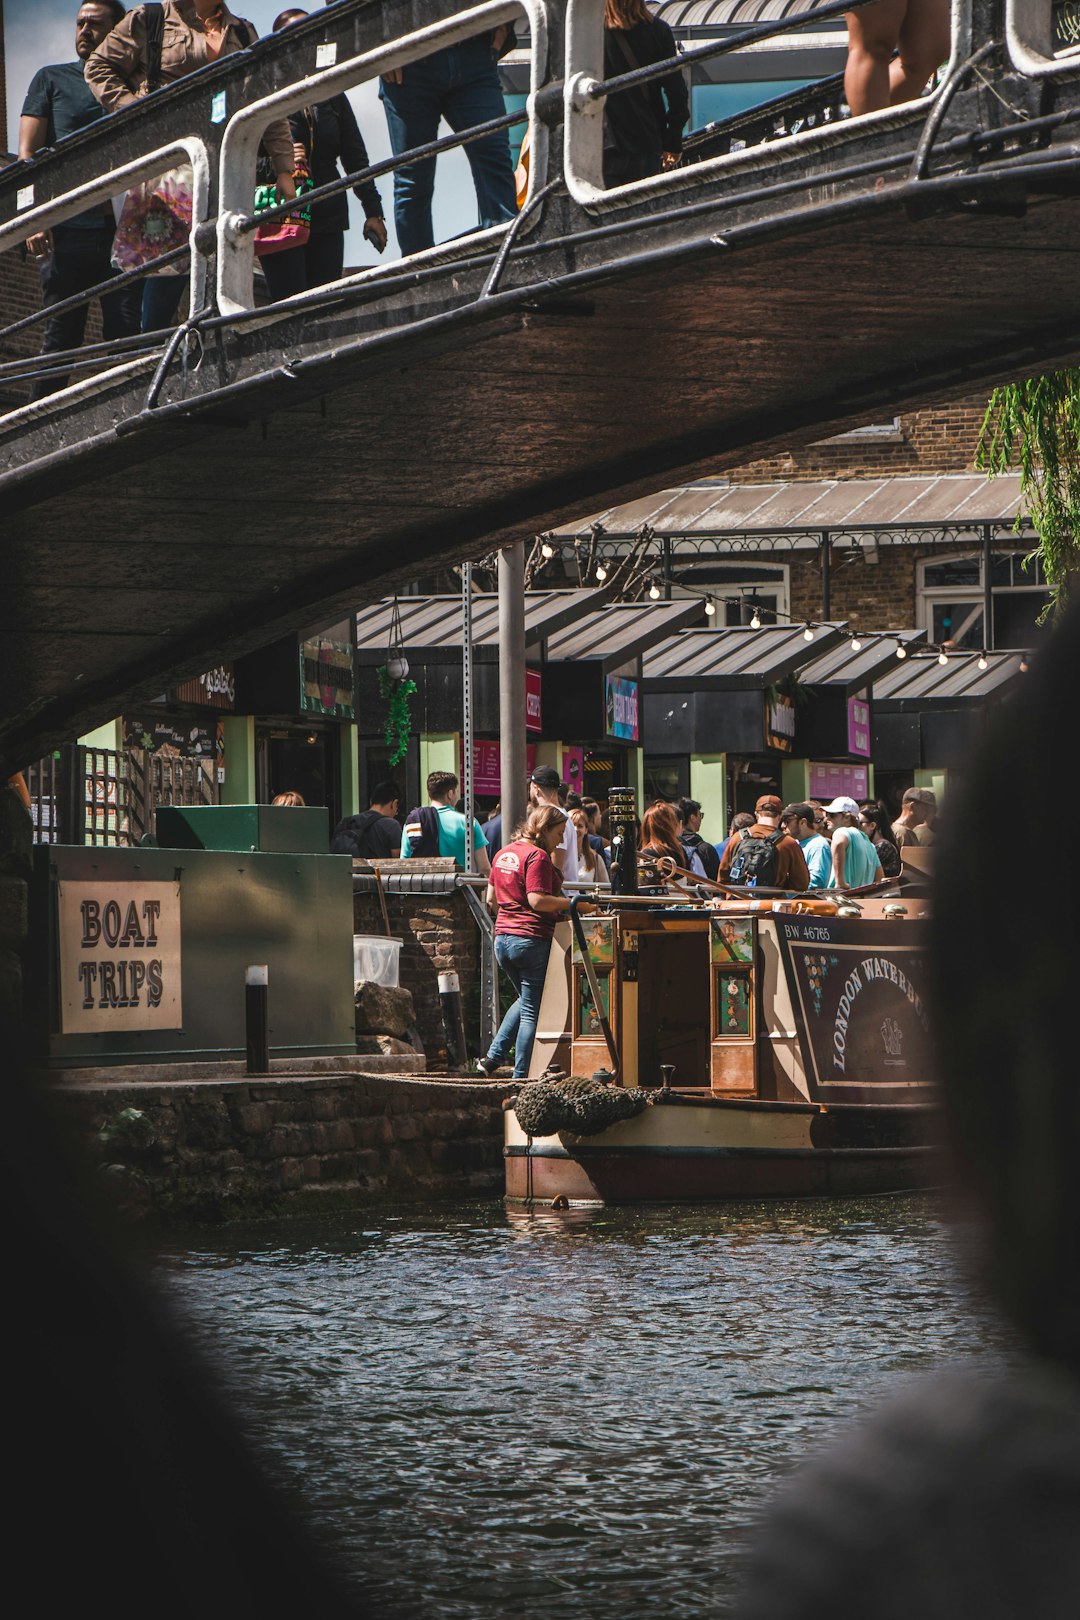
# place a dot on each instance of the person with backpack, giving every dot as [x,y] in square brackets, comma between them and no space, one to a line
[438,828]
[376,832]
[691,839]
[764,856]
[855,860]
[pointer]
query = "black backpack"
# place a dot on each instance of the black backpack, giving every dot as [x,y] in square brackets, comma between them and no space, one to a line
[350,835]
[426,841]
[755,862]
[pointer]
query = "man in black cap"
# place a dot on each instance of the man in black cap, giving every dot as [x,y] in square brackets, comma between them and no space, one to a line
[544,784]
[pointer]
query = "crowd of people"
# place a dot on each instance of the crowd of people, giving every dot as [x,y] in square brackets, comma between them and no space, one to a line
[805,845]
[124,55]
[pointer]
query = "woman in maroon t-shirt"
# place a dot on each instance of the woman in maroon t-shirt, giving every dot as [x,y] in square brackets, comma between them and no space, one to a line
[525,883]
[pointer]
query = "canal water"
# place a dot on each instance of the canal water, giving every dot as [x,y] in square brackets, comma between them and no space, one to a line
[576,1414]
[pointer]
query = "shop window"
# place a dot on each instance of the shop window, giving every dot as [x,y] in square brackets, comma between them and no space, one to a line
[951,600]
[739,586]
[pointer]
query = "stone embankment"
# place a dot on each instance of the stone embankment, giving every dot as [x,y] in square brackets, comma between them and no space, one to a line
[225,1149]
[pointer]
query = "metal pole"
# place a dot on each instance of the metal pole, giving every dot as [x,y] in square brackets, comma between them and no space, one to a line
[665,551]
[826,577]
[257,1018]
[512,686]
[466,713]
[988,592]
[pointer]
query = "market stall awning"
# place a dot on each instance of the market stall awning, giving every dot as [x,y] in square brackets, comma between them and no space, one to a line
[616,635]
[923,680]
[807,507]
[431,625]
[737,658]
[850,670]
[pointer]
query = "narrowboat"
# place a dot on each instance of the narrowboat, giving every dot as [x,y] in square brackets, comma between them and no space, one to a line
[765,1047]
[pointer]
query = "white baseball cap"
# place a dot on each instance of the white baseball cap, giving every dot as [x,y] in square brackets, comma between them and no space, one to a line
[842,807]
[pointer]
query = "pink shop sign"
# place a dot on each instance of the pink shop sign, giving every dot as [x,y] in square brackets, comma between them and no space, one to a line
[858,727]
[829,782]
[487,768]
[533,718]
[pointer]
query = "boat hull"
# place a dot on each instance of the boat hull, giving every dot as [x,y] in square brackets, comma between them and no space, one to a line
[714,1149]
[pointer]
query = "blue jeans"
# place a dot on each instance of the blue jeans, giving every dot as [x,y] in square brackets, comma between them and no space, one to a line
[161,300]
[524,961]
[460,84]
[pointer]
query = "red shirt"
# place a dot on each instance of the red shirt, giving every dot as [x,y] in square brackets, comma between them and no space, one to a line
[517,871]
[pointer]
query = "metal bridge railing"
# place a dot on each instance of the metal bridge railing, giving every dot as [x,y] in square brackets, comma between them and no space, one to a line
[223,153]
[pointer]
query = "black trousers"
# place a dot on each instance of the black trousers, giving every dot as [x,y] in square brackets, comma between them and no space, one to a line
[81,259]
[297,270]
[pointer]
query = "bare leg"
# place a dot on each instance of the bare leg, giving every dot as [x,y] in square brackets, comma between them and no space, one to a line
[873,35]
[924,45]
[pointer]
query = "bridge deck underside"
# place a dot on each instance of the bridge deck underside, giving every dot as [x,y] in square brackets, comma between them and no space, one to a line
[206,536]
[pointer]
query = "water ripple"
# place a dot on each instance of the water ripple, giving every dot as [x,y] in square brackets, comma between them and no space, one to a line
[563,1415]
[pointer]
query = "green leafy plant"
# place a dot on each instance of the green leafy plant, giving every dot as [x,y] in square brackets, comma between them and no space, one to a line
[1034,427]
[397,694]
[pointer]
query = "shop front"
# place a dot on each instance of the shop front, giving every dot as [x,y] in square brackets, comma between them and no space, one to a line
[430,630]
[297,731]
[836,721]
[592,694]
[174,750]
[930,716]
[724,716]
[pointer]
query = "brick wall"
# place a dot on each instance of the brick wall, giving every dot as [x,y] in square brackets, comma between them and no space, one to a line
[218,1150]
[438,935]
[940,439]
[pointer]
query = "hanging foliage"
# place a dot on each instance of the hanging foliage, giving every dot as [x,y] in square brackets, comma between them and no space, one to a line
[397,694]
[1035,426]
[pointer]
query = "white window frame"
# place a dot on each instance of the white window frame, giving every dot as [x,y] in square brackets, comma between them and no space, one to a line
[930,596]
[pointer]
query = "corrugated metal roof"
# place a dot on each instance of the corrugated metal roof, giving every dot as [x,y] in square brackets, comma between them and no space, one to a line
[615,635]
[432,624]
[922,679]
[735,658]
[843,667]
[809,505]
[726,13]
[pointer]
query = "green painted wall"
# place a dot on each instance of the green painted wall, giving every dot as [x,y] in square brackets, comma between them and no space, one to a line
[795,780]
[708,785]
[110,735]
[350,771]
[439,751]
[239,784]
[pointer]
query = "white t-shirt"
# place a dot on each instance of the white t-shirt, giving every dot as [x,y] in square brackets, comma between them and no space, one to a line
[570,869]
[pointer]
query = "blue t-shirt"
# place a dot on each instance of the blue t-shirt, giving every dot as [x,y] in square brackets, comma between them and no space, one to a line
[61,95]
[861,861]
[818,855]
[451,835]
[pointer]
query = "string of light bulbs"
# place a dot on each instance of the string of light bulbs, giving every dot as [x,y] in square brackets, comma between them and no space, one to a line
[857,641]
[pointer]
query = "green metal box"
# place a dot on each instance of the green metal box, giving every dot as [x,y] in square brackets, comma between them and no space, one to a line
[266,827]
[139,955]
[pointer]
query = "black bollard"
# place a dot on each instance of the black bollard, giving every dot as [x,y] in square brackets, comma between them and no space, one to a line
[257,1019]
[453,1019]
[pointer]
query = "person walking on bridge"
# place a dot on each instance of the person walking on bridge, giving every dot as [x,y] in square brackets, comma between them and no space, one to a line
[893,49]
[74,255]
[154,46]
[643,125]
[461,84]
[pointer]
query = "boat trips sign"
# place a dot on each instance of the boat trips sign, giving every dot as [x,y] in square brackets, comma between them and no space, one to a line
[859,994]
[119,957]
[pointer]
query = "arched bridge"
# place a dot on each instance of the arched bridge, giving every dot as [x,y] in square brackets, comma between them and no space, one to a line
[270,467]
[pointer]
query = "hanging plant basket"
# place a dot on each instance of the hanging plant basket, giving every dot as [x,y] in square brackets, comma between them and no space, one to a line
[397,690]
